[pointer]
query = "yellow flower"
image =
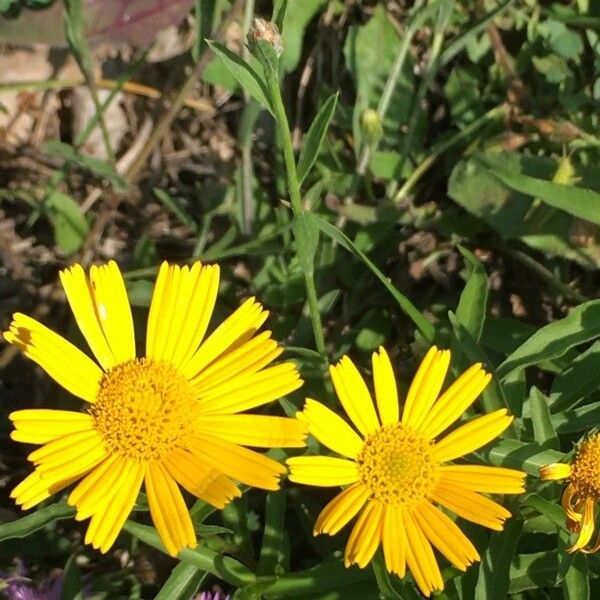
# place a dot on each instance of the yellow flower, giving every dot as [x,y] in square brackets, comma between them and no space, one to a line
[582,495]
[394,468]
[166,419]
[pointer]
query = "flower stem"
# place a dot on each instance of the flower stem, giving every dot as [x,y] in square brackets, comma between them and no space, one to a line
[295,199]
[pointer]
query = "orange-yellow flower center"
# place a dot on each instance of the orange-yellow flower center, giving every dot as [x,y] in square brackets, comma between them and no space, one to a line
[585,469]
[396,465]
[144,408]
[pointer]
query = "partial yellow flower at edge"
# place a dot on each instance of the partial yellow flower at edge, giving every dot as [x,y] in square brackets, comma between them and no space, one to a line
[397,473]
[582,494]
[166,420]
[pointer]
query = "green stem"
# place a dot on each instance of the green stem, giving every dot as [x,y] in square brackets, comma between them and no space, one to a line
[296,202]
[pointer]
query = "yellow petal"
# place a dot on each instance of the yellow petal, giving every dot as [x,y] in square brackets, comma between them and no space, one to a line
[240,363]
[480,478]
[386,392]
[455,400]
[445,535]
[322,471]
[471,505]
[393,538]
[106,524]
[255,390]
[63,361]
[233,332]
[39,425]
[341,510]
[113,310]
[471,436]
[425,387]
[555,471]
[33,489]
[587,526]
[330,429]
[181,307]
[354,396]
[169,512]
[255,430]
[365,536]
[82,302]
[200,479]
[420,558]
[238,462]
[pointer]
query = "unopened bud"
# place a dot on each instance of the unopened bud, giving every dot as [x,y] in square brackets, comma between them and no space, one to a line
[264,36]
[371,126]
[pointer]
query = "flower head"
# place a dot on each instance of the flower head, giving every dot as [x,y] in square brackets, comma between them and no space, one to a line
[396,472]
[582,494]
[168,418]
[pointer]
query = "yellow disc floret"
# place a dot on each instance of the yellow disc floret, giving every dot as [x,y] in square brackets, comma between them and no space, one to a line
[396,465]
[143,409]
[585,471]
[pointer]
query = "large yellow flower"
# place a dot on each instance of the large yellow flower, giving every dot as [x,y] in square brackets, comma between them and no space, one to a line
[166,419]
[582,494]
[394,468]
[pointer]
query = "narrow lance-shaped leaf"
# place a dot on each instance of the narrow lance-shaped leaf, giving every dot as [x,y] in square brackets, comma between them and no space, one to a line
[245,75]
[315,136]
[543,429]
[182,582]
[473,299]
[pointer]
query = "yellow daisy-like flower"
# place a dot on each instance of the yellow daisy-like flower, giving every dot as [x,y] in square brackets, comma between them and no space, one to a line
[395,471]
[582,494]
[168,418]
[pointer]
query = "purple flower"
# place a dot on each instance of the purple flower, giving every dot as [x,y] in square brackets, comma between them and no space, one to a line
[216,594]
[19,588]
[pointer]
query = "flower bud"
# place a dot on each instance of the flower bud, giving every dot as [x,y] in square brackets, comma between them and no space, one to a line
[371,126]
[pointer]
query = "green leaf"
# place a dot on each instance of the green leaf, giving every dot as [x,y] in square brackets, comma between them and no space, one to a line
[543,428]
[315,136]
[553,340]
[580,202]
[183,581]
[577,381]
[389,584]
[306,234]
[272,543]
[424,326]
[72,584]
[70,225]
[533,571]
[494,578]
[100,167]
[472,305]
[578,420]
[40,518]
[514,454]
[226,568]
[551,510]
[172,205]
[576,584]
[245,75]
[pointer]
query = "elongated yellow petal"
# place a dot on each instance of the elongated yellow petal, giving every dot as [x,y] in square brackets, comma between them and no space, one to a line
[471,436]
[255,390]
[34,489]
[365,536]
[587,526]
[555,471]
[261,431]
[420,558]
[238,462]
[386,392]
[455,400]
[63,361]
[480,478]
[200,479]
[445,535]
[106,524]
[393,538]
[83,305]
[417,382]
[168,510]
[233,332]
[39,425]
[62,448]
[330,429]
[323,471]
[113,310]
[241,363]
[354,396]
[425,389]
[181,307]
[341,510]
[471,506]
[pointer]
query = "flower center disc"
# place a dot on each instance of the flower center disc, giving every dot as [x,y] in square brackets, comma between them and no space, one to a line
[585,469]
[396,465]
[143,409]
